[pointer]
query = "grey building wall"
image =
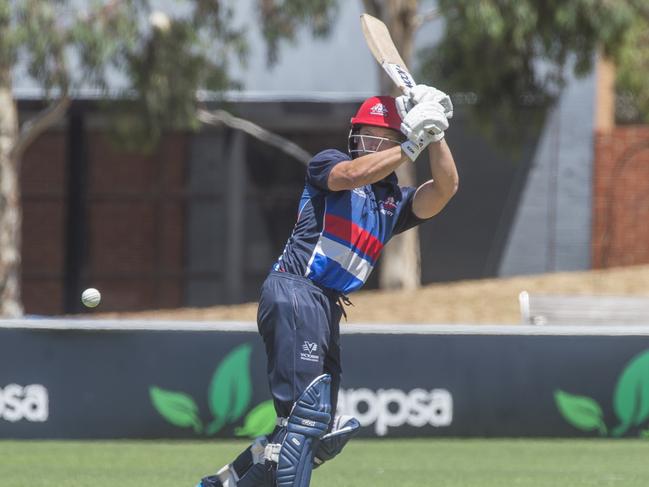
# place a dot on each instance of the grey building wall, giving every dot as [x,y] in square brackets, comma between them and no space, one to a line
[339,63]
[552,226]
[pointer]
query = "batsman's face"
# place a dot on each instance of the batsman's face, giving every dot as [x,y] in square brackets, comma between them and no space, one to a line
[371,139]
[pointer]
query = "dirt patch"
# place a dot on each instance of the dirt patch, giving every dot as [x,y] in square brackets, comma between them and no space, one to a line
[480,301]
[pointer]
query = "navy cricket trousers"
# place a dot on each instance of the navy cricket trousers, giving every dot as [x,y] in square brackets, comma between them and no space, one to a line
[300,325]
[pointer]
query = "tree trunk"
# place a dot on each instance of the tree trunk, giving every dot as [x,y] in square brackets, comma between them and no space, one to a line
[400,261]
[10,214]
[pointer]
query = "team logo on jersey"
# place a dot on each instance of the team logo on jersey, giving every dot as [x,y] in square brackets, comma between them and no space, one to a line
[388,206]
[379,109]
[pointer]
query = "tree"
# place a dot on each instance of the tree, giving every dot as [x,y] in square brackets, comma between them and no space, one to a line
[163,62]
[513,52]
[632,62]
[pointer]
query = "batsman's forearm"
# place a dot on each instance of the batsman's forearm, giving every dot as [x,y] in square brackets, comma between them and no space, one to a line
[442,168]
[367,169]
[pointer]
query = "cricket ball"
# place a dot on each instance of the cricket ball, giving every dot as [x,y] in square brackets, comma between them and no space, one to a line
[90,297]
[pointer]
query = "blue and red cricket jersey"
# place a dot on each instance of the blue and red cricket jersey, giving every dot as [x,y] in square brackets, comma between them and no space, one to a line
[339,235]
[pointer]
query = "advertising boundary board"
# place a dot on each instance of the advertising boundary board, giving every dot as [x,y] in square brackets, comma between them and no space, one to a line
[164,379]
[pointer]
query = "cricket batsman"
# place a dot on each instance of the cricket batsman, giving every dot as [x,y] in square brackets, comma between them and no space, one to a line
[351,206]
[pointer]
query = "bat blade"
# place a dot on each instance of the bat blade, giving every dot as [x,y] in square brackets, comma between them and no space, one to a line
[385,52]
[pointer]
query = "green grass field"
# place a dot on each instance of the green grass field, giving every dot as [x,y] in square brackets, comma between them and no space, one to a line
[365,463]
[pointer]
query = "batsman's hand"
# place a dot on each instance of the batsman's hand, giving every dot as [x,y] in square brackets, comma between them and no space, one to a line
[423,124]
[423,94]
[426,117]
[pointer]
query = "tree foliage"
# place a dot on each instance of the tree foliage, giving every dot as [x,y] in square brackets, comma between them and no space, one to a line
[517,52]
[160,60]
[159,65]
[282,19]
[508,52]
[632,68]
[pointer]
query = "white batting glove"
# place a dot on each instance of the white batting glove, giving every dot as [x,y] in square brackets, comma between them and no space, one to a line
[421,94]
[413,148]
[428,117]
[423,124]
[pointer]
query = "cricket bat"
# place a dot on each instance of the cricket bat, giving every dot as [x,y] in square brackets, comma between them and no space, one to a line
[385,52]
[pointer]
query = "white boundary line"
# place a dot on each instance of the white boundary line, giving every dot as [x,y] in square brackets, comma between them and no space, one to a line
[353,329]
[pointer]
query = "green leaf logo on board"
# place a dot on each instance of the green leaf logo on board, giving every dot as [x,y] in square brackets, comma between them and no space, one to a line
[229,394]
[630,403]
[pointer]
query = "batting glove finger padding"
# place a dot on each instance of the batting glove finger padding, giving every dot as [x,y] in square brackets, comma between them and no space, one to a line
[423,94]
[404,105]
[428,117]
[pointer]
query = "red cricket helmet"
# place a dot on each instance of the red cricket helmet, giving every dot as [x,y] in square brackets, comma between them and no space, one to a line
[380,111]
